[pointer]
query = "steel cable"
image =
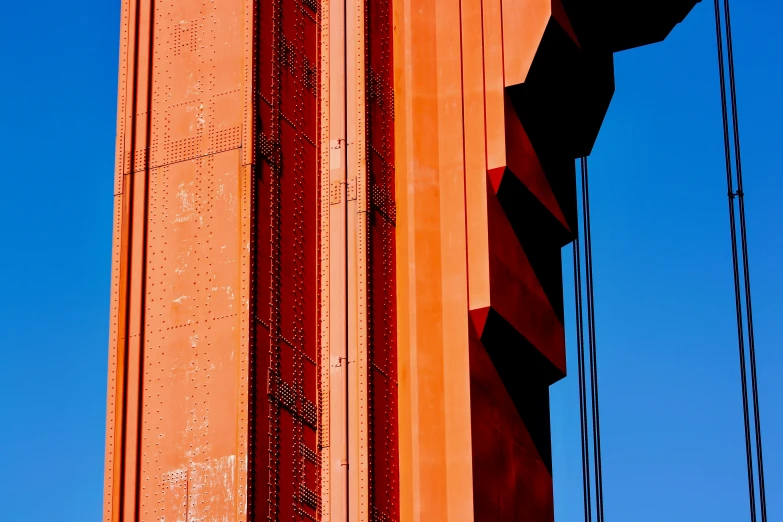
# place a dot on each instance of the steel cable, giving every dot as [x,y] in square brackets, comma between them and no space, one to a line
[592,355]
[739,195]
[588,357]
[583,423]
[745,263]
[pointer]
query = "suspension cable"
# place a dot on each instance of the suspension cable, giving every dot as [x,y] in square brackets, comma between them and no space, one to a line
[739,197]
[735,262]
[745,263]
[588,358]
[580,347]
[591,344]
[599,483]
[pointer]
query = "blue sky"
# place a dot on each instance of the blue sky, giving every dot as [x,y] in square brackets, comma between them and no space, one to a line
[671,411]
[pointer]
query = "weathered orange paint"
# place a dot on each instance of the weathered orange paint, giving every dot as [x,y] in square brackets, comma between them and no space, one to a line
[177,423]
[184,385]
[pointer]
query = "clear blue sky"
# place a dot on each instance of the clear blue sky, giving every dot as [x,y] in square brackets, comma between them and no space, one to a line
[671,411]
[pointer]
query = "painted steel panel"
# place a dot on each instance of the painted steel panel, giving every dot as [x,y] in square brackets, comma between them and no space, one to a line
[334,259]
[180,341]
[191,377]
[434,404]
[331,273]
[358,413]
[286,281]
[381,265]
[531,101]
[309,197]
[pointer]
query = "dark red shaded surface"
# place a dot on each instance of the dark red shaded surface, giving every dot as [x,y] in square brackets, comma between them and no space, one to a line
[516,292]
[511,480]
[559,14]
[522,161]
[519,348]
[284,452]
[384,454]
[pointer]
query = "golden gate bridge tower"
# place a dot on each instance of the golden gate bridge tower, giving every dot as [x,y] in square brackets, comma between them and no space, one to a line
[337,290]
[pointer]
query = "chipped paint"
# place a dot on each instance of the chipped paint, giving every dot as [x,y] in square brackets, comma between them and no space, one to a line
[202,491]
[191,435]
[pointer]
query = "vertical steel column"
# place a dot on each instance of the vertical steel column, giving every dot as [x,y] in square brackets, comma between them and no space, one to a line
[432,282]
[129,260]
[334,492]
[358,407]
[178,391]
[381,264]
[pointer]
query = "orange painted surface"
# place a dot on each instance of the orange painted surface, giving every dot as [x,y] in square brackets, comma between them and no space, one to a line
[334,407]
[435,464]
[178,388]
[246,224]
[488,124]
[336,289]
[523,26]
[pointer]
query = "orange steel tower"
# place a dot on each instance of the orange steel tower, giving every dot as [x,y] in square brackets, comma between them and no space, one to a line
[336,287]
